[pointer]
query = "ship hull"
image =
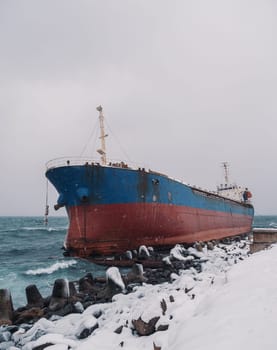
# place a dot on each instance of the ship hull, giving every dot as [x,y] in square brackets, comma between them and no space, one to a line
[112,210]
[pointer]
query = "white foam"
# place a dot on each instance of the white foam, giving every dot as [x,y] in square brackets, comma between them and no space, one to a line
[43,228]
[55,267]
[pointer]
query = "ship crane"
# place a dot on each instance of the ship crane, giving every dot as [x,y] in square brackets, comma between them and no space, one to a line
[102,150]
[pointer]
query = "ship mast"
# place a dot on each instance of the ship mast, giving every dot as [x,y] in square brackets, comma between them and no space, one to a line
[226,172]
[102,150]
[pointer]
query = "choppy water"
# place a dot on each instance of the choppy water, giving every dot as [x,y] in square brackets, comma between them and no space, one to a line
[31,253]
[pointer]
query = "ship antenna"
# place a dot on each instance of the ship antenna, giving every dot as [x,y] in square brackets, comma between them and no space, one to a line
[226,172]
[102,150]
[46,206]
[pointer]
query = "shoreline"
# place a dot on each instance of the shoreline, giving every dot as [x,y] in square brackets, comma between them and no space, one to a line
[74,298]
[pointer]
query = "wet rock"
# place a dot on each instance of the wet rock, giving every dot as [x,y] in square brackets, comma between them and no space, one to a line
[63,311]
[72,289]
[6,307]
[156,276]
[33,296]
[136,275]
[32,314]
[60,295]
[145,328]
[86,283]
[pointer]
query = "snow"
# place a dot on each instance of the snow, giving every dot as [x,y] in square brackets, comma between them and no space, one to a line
[143,250]
[231,304]
[177,253]
[114,275]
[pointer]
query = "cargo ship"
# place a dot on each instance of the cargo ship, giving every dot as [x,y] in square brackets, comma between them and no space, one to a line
[113,207]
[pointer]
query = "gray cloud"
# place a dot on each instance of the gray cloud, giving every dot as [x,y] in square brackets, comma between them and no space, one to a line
[185,85]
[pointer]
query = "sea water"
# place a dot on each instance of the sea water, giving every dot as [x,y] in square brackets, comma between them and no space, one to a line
[31,253]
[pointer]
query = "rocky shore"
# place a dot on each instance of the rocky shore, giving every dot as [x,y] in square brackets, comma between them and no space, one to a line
[28,327]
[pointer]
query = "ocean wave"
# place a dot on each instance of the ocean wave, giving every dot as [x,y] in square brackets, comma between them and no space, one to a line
[55,267]
[49,229]
[44,229]
[273,224]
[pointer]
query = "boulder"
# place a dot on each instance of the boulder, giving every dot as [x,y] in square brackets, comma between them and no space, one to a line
[32,314]
[145,328]
[33,296]
[6,307]
[135,275]
[60,295]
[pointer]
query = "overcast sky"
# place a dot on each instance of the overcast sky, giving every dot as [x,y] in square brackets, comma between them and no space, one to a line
[185,85]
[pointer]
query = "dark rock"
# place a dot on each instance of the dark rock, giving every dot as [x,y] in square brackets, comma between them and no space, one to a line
[62,310]
[210,245]
[32,314]
[171,298]
[33,296]
[60,295]
[114,285]
[38,334]
[72,289]
[43,346]
[155,347]
[128,255]
[198,246]
[143,252]
[88,303]
[87,331]
[118,330]
[86,283]
[97,313]
[12,328]
[47,301]
[60,289]
[163,306]
[145,328]
[135,275]
[6,307]
[162,327]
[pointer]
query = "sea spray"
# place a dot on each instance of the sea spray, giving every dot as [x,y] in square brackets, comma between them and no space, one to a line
[32,254]
[55,267]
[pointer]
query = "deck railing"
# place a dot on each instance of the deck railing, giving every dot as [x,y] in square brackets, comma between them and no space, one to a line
[67,161]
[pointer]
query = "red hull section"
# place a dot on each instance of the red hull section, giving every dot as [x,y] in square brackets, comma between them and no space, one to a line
[115,228]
